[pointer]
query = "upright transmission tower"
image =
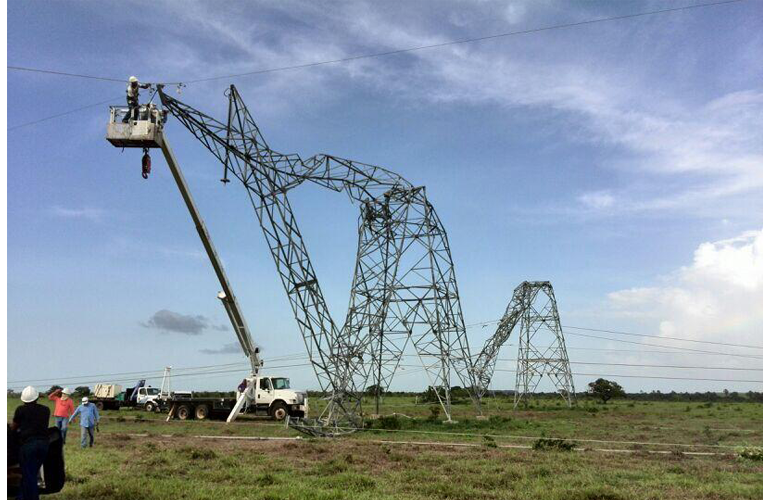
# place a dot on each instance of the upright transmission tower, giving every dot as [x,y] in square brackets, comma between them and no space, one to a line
[542,351]
[541,343]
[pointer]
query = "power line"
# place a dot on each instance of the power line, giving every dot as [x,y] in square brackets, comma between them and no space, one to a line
[659,345]
[407,49]
[363,56]
[485,323]
[34,122]
[61,73]
[656,366]
[464,41]
[199,370]
[632,350]
[194,374]
[662,337]
[655,377]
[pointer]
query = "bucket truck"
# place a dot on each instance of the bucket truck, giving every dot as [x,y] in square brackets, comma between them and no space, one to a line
[261,393]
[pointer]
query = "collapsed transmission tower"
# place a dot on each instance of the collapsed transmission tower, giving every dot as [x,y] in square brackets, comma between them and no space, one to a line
[404,287]
[542,351]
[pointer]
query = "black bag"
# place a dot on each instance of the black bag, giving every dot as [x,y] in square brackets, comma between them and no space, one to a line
[53,467]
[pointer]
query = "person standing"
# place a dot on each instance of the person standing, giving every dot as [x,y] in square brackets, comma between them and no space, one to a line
[132,98]
[31,420]
[64,408]
[89,419]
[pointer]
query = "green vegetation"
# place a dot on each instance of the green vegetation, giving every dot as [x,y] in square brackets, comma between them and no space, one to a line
[139,455]
[606,389]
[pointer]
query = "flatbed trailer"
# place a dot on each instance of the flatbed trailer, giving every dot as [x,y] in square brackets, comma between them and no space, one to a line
[277,404]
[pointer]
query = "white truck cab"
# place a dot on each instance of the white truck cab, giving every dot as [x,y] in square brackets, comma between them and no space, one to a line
[275,396]
[146,397]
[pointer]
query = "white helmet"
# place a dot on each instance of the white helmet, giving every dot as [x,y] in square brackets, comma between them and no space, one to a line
[29,394]
[132,79]
[84,400]
[67,391]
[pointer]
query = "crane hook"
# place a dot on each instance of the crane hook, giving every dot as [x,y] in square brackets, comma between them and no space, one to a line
[146,163]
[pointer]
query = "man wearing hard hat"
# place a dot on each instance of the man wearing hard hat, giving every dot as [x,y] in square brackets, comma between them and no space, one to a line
[31,420]
[89,419]
[64,408]
[132,98]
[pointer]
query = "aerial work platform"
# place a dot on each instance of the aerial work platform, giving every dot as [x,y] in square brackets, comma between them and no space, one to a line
[144,132]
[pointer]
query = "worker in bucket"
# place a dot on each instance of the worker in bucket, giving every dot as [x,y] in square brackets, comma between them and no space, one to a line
[31,420]
[89,420]
[132,98]
[63,410]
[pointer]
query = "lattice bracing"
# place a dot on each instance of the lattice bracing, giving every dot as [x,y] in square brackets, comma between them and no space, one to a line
[404,287]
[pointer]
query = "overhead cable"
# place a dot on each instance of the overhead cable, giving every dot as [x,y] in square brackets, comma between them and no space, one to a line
[663,337]
[364,56]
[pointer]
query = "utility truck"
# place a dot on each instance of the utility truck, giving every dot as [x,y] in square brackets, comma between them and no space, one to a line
[273,396]
[113,397]
[260,393]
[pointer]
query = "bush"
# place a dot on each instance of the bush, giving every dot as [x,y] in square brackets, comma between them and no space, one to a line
[750,453]
[391,422]
[553,444]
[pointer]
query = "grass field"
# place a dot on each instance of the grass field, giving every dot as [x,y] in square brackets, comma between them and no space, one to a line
[411,455]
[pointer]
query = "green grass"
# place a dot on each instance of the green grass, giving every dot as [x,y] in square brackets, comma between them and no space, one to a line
[172,463]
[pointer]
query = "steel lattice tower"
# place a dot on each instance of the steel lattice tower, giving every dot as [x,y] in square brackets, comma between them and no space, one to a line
[542,351]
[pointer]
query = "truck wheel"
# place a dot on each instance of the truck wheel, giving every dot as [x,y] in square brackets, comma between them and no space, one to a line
[279,411]
[202,412]
[99,405]
[183,412]
[149,406]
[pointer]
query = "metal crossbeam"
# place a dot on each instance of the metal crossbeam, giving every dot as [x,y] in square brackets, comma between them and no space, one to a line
[533,309]
[404,287]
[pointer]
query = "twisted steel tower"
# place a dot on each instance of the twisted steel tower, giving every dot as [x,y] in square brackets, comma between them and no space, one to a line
[404,287]
[533,307]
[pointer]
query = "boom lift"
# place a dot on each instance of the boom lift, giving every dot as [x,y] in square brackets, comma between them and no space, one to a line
[146,132]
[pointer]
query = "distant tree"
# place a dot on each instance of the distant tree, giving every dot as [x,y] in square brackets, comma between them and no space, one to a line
[606,389]
[83,390]
[372,390]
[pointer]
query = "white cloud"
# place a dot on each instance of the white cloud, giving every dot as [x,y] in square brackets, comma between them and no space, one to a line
[92,214]
[718,297]
[597,199]
[677,151]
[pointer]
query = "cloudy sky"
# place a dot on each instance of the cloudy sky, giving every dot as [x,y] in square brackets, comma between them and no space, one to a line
[621,160]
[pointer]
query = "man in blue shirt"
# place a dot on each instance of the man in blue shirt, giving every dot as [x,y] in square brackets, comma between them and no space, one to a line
[89,419]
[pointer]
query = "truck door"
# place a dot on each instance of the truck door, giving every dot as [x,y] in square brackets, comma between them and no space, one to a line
[264,391]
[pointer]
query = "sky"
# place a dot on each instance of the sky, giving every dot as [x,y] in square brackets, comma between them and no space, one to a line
[622,161]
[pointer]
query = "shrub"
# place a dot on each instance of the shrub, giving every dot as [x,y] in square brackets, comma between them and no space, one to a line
[553,444]
[391,422]
[752,453]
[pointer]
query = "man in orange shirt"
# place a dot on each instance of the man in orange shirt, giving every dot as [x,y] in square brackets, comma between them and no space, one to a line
[63,410]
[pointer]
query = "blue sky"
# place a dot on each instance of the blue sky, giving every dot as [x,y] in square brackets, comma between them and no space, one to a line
[622,161]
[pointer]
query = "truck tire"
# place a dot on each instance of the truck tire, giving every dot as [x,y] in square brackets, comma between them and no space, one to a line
[183,412]
[202,412]
[149,406]
[279,411]
[99,405]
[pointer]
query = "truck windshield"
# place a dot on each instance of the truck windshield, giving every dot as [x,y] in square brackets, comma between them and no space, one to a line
[153,391]
[280,383]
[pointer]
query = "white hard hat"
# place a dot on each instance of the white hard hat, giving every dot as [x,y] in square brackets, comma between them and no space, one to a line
[66,391]
[29,394]
[132,79]
[85,399]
